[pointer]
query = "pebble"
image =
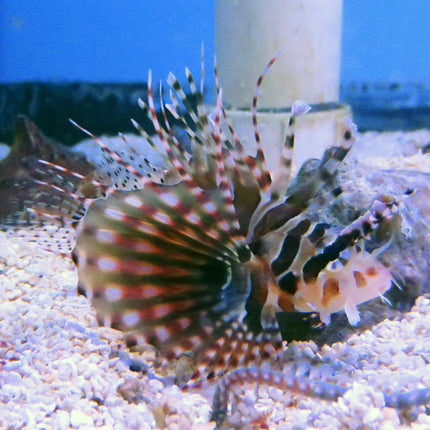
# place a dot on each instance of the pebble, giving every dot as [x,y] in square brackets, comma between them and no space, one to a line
[63,419]
[79,419]
[13,365]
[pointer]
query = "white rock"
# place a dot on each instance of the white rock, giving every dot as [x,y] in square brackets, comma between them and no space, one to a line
[13,365]
[13,378]
[63,420]
[79,419]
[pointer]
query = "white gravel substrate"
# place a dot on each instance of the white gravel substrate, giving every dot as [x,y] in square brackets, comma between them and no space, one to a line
[59,370]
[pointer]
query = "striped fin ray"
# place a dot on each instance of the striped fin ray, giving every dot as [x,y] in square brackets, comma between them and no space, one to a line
[197,140]
[256,164]
[203,136]
[170,136]
[69,204]
[242,169]
[88,186]
[262,175]
[281,177]
[237,144]
[235,344]
[176,159]
[239,167]
[170,175]
[300,384]
[202,80]
[282,174]
[201,111]
[201,164]
[298,199]
[174,142]
[202,139]
[125,171]
[56,201]
[198,114]
[224,184]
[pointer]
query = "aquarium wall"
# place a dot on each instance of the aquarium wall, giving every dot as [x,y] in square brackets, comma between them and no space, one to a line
[384,65]
[119,41]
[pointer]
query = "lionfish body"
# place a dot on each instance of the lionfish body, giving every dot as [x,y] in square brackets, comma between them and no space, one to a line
[203,258]
[211,247]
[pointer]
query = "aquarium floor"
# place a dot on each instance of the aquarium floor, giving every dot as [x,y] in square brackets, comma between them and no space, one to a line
[59,370]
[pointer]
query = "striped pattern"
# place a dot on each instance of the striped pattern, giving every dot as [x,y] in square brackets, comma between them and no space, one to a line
[203,264]
[44,189]
[301,385]
[202,256]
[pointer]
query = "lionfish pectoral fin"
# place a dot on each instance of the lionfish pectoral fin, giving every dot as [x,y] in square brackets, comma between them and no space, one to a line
[254,336]
[237,344]
[42,200]
[164,265]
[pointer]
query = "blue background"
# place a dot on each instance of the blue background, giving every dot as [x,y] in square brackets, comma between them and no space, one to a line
[119,40]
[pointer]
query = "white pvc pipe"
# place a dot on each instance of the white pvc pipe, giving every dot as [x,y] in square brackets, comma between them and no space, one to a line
[249,32]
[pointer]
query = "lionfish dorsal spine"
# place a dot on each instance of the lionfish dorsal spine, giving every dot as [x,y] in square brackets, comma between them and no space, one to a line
[224,185]
[177,163]
[122,174]
[281,177]
[154,145]
[107,150]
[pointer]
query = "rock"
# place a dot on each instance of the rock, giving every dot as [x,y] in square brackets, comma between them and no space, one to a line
[79,419]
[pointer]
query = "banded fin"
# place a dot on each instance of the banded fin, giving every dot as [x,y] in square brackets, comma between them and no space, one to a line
[126,167]
[339,276]
[168,264]
[164,266]
[298,199]
[44,189]
[282,174]
[198,264]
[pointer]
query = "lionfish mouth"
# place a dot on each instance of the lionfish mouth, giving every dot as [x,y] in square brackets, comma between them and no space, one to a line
[201,254]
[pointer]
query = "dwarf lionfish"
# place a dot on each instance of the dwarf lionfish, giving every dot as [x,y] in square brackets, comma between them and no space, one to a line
[200,253]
